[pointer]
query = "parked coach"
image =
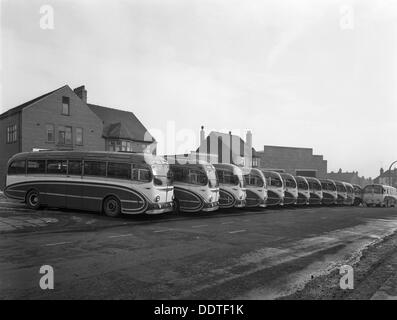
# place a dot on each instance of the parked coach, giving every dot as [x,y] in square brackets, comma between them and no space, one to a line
[108,182]
[256,189]
[195,186]
[303,191]
[232,192]
[380,196]
[350,194]
[316,192]
[341,191]
[275,188]
[291,188]
[358,195]
[330,195]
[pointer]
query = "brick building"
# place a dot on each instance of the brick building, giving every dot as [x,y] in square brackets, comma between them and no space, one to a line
[296,161]
[350,177]
[230,148]
[387,177]
[63,120]
[220,147]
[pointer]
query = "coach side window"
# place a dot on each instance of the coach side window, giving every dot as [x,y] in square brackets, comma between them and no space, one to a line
[95,168]
[36,166]
[17,167]
[74,167]
[56,166]
[119,170]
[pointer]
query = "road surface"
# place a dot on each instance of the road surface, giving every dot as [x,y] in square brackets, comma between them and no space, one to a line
[237,254]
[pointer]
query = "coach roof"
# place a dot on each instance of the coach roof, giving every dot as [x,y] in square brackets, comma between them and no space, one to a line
[90,155]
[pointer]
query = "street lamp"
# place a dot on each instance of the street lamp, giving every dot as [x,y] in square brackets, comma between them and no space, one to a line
[390,174]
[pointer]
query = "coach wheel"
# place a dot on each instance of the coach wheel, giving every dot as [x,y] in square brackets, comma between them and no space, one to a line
[111,207]
[176,206]
[33,200]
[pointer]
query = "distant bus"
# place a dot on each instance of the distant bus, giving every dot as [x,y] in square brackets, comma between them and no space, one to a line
[316,192]
[108,182]
[232,191]
[358,195]
[350,194]
[330,195]
[256,188]
[341,191]
[291,188]
[275,188]
[195,186]
[379,195]
[303,191]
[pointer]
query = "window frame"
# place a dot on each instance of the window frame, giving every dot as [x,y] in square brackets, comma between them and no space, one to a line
[12,133]
[36,160]
[15,161]
[62,162]
[47,131]
[119,163]
[65,101]
[82,136]
[92,175]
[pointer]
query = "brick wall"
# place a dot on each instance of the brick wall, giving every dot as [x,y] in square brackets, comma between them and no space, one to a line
[7,150]
[49,111]
[291,159]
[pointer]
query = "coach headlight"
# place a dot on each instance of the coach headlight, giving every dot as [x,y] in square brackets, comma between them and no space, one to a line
[157,199]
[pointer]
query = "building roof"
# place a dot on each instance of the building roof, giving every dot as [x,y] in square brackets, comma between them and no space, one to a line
[119,124]
[386,174]
[19,108]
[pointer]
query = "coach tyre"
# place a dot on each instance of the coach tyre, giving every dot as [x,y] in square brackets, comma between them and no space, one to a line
[176,206]
[33,199]
[111,206]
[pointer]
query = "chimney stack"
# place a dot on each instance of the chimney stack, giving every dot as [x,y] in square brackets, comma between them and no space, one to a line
[81,92]
[248,139]
[202,135]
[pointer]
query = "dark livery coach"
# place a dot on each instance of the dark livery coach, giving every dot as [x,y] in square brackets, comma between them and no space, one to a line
[108,182]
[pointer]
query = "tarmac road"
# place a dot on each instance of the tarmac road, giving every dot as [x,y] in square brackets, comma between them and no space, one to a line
[264,254]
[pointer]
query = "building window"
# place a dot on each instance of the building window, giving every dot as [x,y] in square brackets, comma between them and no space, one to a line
[65,135]
[79,136]
[255,162]
[114,145]
[12,133]
[126,146]
[65,106]
[50,132]
[120,145]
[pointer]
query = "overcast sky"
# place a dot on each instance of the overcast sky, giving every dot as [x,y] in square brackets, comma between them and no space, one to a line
[318,74]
